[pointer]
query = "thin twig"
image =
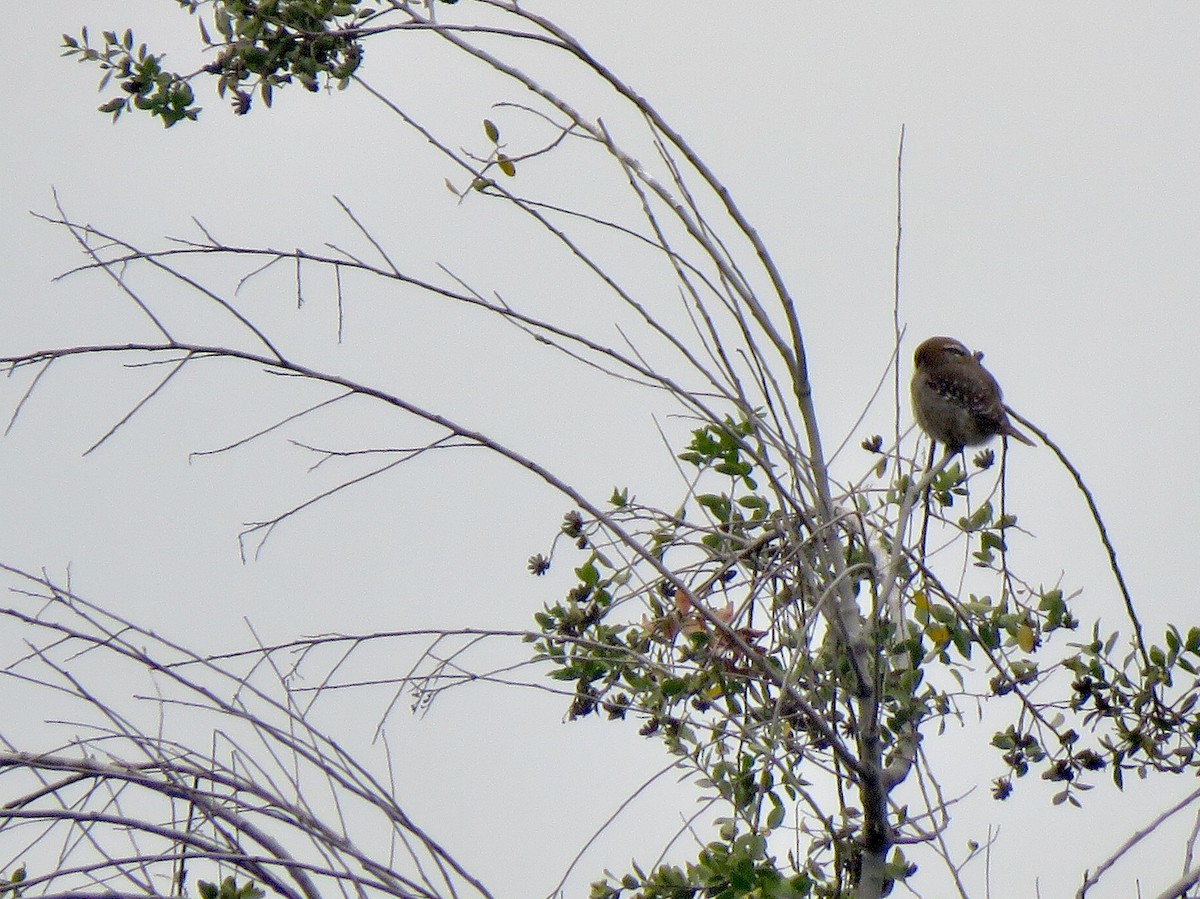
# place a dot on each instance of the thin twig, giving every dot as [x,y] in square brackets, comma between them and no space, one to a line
[1100,526]
[178,367]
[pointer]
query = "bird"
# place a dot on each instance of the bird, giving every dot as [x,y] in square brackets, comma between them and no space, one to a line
[956,401]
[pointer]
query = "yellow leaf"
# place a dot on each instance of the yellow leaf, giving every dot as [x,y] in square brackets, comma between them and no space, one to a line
[939,634]
[1026,638]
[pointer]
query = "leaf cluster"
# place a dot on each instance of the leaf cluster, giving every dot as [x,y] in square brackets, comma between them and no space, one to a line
[731,605]
[1150,719]
[145,85]
[738,865]
[228,889]
[260,45]
[702,668]
[266,44]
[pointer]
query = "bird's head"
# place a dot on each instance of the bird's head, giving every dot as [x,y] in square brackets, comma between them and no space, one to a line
[939,350]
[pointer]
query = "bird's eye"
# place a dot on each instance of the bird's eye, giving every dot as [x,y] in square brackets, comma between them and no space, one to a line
[956,349]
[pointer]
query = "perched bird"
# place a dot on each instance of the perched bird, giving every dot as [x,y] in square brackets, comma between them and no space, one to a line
[955,399]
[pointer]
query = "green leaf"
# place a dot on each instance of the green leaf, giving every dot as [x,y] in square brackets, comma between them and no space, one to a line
[944,614]
[992,540]
[673,686]
[962,641]
[1173,642]
[492,132]
[735,469]
[1003,741]
[756,503]
[1193,640]
[588,574]
[776,816]
[718,505]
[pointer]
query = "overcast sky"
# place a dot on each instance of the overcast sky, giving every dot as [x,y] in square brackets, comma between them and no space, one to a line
[1051,180]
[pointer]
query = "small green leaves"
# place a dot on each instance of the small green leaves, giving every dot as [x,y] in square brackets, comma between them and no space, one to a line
[145,85]
[1193,640]
[492,132]
[722,450]
[1058,614]
[229,890]
[262,47]
[981,517]
[713,445]
[588,574]
[718,505]
[949,483]
[737,866]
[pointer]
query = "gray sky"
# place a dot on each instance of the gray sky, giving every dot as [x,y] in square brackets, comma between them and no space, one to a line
[1051,220]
